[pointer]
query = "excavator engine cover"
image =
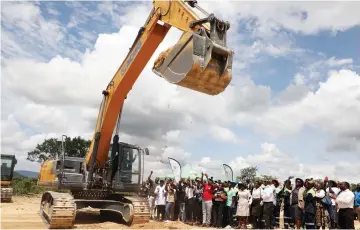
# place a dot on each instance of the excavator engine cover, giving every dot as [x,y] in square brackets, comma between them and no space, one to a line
[197,61]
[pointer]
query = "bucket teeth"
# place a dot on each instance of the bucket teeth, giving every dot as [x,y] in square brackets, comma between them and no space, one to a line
[197,63]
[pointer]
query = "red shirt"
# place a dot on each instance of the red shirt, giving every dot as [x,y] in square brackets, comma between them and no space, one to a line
[208,192]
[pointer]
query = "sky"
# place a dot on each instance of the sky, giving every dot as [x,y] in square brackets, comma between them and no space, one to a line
[292,108]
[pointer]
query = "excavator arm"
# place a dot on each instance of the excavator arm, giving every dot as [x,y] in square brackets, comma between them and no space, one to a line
[199,61]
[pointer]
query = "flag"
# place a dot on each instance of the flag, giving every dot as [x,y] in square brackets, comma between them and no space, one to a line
[176,169]
[228,172]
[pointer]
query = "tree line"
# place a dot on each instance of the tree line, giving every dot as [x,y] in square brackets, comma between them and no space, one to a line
[50,148]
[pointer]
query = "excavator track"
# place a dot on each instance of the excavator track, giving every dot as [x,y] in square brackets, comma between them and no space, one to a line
[6,194]
[57,210]
[141,211]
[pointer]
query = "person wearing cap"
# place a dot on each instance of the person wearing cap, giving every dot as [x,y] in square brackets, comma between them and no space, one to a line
[310,205]
[345,202]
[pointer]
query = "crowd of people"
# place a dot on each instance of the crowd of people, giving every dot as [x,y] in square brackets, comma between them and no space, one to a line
[310,204]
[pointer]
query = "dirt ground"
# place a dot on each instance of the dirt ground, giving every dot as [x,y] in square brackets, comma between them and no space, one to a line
[23,213]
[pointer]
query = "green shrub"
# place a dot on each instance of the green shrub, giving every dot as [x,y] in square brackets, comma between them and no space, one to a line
[24,186]
[28,186]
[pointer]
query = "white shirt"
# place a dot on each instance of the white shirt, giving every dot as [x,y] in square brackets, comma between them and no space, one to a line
[336,192]
[268,194]
[189,192]
[320,193]
[160,195]
[345,199]
[256,194]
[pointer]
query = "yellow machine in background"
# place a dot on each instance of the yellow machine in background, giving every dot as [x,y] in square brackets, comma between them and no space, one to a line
[8,163]
[110,175]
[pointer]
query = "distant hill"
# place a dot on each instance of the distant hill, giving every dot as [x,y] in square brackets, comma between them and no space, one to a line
[17,175]
[25,173]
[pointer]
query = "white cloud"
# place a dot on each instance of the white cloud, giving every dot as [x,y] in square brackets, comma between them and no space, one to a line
[333,108]
[270,160]
[37,32]
[302,17]
[333,62]
[316,70]
[172,136]
[223,134]
[238,164]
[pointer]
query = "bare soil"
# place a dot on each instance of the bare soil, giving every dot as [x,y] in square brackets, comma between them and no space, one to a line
[23,213]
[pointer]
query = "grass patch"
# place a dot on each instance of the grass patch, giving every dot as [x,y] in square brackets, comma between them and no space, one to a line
[28,186]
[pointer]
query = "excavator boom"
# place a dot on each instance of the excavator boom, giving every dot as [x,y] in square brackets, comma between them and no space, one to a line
[199,61]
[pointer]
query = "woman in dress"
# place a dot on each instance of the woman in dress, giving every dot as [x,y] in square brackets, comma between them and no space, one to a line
[322,217]
[243,206]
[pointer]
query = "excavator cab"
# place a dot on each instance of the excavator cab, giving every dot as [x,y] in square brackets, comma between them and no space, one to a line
[200,60]
[8,163]
[127,167]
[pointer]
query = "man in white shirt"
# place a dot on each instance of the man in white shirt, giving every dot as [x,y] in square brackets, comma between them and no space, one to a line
[268,204]
[345,202]
[160,200]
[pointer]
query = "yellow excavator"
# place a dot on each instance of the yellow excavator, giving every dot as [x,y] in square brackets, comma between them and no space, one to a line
[109,177]
[8,163]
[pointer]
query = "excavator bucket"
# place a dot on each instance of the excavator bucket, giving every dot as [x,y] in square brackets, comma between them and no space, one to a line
[197,62]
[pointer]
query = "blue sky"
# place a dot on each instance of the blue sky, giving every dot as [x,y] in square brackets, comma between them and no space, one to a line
[274,115]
